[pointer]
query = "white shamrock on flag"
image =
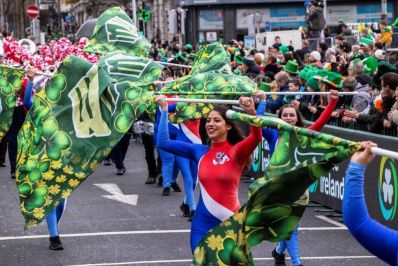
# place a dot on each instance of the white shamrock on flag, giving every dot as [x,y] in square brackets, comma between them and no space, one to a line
[388,190]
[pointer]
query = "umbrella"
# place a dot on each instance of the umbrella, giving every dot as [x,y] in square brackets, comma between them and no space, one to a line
[87,28]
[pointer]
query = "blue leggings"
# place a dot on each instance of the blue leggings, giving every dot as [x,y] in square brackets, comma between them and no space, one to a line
[292,246]
[169,168]
[54,217]
[189,171]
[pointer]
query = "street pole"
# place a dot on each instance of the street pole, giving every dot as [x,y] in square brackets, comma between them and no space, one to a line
[2,19]
[325,13]
[36,25]
[383,6]
[134,5]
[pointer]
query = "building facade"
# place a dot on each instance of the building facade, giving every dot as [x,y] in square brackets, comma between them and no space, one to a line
[223,20]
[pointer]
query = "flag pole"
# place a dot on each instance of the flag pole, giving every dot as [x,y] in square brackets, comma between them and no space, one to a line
[248,93]
[172,64]
[212,101]
[384,152]
[374,150]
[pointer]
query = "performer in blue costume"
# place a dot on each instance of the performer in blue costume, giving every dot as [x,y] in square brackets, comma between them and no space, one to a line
[293,117]
[220,166]
[53,219]
[169,163]
[375,237]
[189,132]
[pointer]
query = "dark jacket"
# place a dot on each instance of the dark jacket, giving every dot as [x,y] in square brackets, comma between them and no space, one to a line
[316,19]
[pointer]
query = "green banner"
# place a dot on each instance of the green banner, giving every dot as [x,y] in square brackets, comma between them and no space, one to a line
[115,31]
[10,84]
[209,78]
[74,122]
[277,201]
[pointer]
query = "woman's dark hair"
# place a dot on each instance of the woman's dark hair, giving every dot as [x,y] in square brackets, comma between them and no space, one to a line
[300,119]
[235,134]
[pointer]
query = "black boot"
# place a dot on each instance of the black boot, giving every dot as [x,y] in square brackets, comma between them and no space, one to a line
[160,180]
[150,180]
[166,191]
[175,187]
[279,258]
[185,210]
[55,243]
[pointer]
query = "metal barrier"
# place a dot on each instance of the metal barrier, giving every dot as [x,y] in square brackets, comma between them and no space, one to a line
[314,42]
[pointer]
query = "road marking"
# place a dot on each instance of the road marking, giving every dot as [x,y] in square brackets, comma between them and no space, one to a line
[117,194]
[256,259]
[5,238]
[328,220]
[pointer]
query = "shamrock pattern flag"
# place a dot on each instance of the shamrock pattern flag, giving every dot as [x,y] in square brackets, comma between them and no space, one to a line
[210,78]
[115,31]
[10,84]
[74,122]
[276,203]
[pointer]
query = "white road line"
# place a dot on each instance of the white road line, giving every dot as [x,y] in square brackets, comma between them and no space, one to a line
[328,220]
[5,238]
[190,260]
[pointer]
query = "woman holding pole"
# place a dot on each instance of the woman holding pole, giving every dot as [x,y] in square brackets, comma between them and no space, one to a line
[219,166]
[292,116]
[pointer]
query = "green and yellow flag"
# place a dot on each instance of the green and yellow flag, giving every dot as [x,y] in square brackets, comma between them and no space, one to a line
[115,31]
[210,78]
[278,200]
[76,120]
[10,84]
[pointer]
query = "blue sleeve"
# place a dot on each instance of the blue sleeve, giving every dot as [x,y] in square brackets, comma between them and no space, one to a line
[269,134]
[376,238]
[261,108]
[27,100]
[180,148]
[274,105]
[172,107]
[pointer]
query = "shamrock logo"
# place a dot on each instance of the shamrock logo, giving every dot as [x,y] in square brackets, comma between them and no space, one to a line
[388,190]
[48,137]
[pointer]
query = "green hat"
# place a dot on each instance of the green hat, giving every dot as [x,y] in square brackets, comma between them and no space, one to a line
[370,65]
[313,83]
[308,71]
[188,46]
[192,56]
[238,59]
[395,24]
[180,56]
[264,86]
[383,68]
[291,67]
[387,28]
[365,41]
[248,61]
[334,79]
[284,49]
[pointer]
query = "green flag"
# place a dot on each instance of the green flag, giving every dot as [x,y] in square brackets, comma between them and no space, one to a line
[10,84]
[277,201]
[72,126]
[210,72]
[115,31]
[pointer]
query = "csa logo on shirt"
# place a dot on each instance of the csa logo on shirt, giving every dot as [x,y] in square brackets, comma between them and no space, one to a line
[388,188]
[221,158]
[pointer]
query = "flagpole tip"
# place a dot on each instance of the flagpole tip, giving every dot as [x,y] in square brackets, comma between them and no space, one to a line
[229,114]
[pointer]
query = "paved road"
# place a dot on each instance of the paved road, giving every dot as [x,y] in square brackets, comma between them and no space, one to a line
[100,231]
